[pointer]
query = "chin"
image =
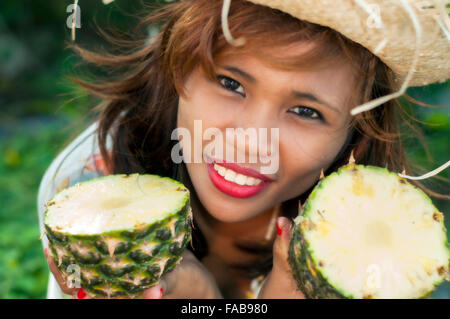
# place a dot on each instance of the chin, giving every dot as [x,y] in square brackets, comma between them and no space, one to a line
[225,211]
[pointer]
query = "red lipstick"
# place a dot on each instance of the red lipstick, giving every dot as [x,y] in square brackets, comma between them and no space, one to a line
[233,189]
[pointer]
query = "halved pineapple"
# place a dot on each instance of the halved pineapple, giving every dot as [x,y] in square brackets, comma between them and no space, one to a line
[365,232]
[123,232]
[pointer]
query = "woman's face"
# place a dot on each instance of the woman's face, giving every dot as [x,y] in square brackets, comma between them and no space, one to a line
[248,93]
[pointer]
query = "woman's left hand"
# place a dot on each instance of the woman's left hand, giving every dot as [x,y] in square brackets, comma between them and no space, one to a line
[280,283]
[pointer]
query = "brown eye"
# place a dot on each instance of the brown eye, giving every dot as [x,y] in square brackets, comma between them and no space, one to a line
[307,112]
[230,84]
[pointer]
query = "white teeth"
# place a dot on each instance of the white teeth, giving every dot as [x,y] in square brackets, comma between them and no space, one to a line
[230,175]
[234,177]
[240,179]
[251,180]
[220,169]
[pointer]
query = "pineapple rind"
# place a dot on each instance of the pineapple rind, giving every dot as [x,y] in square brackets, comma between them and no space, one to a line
[305,268]
[312,283]
[119,272]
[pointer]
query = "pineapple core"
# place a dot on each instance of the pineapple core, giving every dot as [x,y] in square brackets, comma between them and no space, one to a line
[378,233]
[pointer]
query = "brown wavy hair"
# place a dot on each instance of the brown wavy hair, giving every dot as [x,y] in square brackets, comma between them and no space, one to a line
[141,89]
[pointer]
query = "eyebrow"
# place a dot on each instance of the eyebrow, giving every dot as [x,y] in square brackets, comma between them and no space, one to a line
[297,94]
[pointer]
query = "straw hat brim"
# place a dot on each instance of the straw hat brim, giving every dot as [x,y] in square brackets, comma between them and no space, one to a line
[387,29]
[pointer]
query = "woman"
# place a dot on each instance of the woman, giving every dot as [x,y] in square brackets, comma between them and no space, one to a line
[290,74]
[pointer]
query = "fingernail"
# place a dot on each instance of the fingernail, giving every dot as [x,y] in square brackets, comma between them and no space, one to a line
[161,291]
[279,230]
[81,294]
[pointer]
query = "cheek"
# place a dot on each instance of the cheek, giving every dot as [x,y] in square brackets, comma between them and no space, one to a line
[303,157]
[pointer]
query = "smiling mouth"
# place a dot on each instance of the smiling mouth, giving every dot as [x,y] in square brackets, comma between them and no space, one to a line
[234,177]
[234,183]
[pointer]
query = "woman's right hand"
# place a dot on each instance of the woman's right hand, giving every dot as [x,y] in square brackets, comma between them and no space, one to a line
[189,279]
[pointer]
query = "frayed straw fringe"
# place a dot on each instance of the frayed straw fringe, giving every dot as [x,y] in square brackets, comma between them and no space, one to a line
[418,29]
[74,19]
[225,29]
[442,18]
[445,26]
[427,175]
[75,15]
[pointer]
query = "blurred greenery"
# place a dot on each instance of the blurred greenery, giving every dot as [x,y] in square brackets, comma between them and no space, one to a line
[23,272]
[41,110]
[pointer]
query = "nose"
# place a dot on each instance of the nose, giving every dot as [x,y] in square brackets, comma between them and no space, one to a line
[254,129]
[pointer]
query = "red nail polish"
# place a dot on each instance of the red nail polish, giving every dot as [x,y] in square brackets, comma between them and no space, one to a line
[161,291]
[279,230]
[81,294]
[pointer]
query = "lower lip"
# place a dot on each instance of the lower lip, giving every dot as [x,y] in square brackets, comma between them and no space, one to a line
[233,189]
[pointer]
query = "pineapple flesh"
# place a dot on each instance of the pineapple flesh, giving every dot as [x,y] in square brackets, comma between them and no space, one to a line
[122,232]
[365,232]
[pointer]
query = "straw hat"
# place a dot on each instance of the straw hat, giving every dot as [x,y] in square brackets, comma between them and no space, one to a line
[410,36]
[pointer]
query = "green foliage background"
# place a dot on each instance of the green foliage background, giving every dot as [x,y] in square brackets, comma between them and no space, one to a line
[41,110]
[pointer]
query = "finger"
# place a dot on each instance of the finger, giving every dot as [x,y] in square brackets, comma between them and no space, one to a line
[168,283]
[167,287]
[57,274]
[81,294]
[155,292]
[281,245]
[280,283]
